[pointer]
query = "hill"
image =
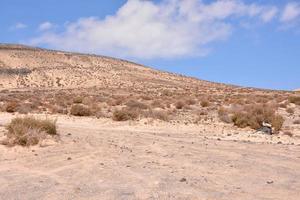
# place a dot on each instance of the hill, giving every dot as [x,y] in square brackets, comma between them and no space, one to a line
[28,67]
[103,128]
[47,81]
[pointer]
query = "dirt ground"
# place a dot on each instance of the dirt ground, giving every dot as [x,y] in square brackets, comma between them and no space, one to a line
[101,159]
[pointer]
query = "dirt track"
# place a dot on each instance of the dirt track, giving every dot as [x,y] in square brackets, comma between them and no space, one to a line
[99,159]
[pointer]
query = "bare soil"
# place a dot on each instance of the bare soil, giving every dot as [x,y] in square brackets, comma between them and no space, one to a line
[102,159]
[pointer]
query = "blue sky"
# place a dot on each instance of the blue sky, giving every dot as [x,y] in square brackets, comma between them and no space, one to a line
[243,42]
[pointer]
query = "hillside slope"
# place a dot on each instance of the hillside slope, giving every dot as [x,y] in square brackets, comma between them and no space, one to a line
[27,67]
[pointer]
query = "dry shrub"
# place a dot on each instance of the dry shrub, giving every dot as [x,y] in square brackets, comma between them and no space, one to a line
[254,115]
[133,104]
[124,115]
[290,110]
[57,109]
[26,108]
[294,99]
[204,103]
[157,104]
[224,115]
[157,114]
[80,110]
[190,101]
[167,93]
[297,121]
[179,104]
[115,102]
[288,133]
[11,107]
[29,131]
[77,100]
[146,97]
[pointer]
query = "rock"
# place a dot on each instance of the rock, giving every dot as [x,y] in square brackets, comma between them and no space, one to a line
[47,143]
[183,180]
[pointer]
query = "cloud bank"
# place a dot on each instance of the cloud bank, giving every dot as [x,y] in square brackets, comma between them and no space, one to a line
[169,29]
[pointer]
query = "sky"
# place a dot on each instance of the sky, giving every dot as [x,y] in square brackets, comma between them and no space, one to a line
[254,43]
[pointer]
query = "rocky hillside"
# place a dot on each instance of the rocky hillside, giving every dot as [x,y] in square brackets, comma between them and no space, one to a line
[27,67]
[36,80]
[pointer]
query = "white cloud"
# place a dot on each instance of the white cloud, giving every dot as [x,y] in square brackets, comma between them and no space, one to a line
[143,29]
[18,25]
[45,26]
[269,14]
[290,12]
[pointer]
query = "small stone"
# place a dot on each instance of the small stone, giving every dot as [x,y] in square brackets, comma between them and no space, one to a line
[183,180]
[69,158]
[270,182]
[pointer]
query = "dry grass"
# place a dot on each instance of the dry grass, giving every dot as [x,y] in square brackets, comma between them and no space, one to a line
[77,100]
[204,103]
[296,121]
[157,114]
[295,100]
[254,115]
[224,115]
[290,111]
[80,110]
[179,104]
[29,131]
[124,115]
[11,107]
[157,104]
[133,104]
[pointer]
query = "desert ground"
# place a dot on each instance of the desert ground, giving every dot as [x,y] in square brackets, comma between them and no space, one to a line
[101,159]
[126,131]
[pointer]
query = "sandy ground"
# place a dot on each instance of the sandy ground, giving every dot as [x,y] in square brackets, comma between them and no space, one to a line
[101,159]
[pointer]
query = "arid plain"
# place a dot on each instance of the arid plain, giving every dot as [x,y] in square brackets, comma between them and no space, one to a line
[126,131]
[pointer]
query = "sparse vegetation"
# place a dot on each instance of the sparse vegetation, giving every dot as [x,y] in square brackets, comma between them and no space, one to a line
[80,110]
[254,115]
[11,107]
[295,100]
[297,121]
[204,103]
[157,114]
[15,71]
[132,104]
[124,115]
[179,104]
[29,131]
[224,115]
[290,111]
[78,100]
